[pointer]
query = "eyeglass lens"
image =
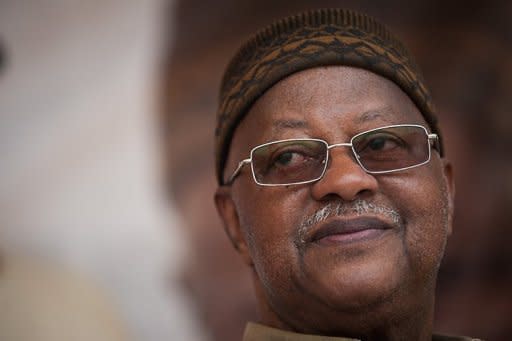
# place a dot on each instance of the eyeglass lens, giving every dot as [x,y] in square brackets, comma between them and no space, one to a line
[391,148]
[289,161]
[301,160]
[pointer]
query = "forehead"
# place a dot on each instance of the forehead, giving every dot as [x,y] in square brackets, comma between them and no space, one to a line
[313,102]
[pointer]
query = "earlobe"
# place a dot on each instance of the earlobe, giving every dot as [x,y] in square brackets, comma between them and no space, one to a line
[229,215]
[450,188]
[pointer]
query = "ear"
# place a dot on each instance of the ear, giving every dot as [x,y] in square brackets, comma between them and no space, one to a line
[450,187]
[228,213]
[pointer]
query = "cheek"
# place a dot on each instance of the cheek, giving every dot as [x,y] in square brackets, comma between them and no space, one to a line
[269,223]
[422,201]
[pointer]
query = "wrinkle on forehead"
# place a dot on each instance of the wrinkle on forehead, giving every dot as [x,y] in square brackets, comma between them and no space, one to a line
[332,90]
[348,78]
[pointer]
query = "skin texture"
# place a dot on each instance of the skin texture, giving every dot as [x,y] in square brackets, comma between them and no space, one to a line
[375,288]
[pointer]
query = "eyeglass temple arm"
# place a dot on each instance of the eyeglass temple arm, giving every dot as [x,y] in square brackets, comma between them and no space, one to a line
[237,171]
[435,140]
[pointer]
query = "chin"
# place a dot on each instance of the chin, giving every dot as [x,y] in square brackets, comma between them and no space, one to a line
[358,284]
[356,279]
[360,293]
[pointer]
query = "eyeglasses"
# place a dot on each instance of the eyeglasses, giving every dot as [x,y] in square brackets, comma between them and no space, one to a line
[299,161]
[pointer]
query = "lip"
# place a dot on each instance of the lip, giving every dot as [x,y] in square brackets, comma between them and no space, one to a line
[339,231]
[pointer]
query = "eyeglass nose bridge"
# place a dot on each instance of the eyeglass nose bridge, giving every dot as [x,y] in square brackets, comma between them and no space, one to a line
[346,144]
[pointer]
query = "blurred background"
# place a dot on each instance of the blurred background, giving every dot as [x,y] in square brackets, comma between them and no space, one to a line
[80,178]
[107,112]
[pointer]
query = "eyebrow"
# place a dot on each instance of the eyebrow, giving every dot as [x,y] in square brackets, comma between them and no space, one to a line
[374,114]
[289,124]
[370,115]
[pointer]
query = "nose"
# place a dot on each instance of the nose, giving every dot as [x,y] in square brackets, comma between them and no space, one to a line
[343,178]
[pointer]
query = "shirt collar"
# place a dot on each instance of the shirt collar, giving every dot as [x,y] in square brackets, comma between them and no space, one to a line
[259,332]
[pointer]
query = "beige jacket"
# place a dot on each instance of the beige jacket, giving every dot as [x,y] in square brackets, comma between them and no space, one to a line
[258,332]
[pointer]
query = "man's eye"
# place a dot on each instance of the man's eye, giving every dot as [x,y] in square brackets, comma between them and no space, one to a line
[378,143]
[382,143]
[288,158]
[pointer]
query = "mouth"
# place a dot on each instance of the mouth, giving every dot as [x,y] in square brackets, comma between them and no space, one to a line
[344,231]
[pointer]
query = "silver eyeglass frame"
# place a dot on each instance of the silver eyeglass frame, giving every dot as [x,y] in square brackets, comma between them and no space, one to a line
[431,140]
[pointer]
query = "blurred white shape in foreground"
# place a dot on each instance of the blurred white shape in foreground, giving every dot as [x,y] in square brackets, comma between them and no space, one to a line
[79,169]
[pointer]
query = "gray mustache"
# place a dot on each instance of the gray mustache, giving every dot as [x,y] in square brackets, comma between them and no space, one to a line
[357,207]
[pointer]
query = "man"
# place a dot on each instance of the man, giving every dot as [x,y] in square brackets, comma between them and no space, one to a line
[333,185]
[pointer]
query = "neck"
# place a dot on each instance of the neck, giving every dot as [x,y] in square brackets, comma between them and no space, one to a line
[377,323]
[417,325]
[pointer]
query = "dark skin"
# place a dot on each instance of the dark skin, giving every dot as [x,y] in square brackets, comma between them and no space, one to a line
[378,286]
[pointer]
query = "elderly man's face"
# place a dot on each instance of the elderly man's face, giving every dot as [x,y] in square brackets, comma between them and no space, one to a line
[377,275]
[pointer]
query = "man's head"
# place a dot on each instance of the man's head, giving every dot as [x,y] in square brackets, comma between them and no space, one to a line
[349,237]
